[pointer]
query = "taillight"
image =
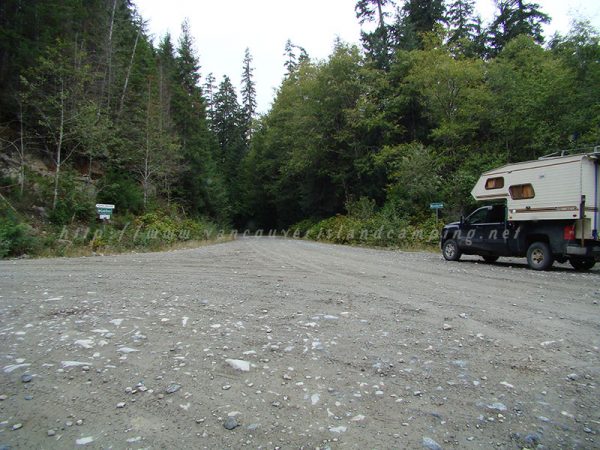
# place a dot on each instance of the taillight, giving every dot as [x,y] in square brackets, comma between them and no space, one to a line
[569,233]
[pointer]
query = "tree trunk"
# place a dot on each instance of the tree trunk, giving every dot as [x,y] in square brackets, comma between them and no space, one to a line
[108,79]
[380,11]
[129,70]
[21,151]
[91,160]
[59,144]
[146,169]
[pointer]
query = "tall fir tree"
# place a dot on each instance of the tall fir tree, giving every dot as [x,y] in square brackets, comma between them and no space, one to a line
[293,60]
[201,182]
[515,18]
[229,129]
[415,18]
[464,28]
[248,92]
[377,42]
[424,14]
[209,94]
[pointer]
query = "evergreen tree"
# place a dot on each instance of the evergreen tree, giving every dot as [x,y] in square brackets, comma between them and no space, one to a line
[171,159]
[248,92]
[377,42]
[229,129]
[166,74]
[293,61]
[514,18]
[424,14]
[403,33]
[209,94]
[202,184]
[465,29]
[188,65]
[415,18]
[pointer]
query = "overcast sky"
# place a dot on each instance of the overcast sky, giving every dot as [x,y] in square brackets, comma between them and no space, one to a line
[222,30]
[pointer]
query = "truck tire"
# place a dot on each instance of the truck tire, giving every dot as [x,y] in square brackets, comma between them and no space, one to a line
[539,256]
[451,251]
[582,264]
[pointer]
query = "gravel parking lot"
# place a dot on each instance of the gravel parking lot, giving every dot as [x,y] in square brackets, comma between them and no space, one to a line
[267,343]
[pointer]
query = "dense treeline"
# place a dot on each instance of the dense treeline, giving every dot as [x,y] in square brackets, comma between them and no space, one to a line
[430,99]
[82,85]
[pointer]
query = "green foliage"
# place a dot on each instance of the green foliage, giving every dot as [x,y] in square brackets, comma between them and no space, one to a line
[452,92]
[516,18]
[530,100]
[122,190]
[380,230]
[361,209]
[464,28]
[74,203]
[414,178]
[15,236]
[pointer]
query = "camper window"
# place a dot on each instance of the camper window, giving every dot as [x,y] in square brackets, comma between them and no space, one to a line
[494,183]
[522,192]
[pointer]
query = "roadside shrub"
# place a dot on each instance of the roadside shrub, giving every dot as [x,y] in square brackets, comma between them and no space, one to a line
[384,228]
[361,209]
[303,226]
[74,203]
[15,237]
[121,190]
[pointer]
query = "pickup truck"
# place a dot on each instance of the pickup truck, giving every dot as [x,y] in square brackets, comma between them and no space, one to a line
[487,232]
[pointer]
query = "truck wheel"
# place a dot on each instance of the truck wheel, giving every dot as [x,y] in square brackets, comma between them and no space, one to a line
[582,264]
[490,259]
[451,251]
[539,256]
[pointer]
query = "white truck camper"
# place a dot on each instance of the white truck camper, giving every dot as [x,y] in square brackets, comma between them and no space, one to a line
[546,210]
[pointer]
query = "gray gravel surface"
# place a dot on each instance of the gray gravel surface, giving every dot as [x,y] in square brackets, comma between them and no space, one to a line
[267,343]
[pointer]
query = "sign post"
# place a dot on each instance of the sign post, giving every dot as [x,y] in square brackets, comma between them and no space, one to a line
[104,211]
[437,206]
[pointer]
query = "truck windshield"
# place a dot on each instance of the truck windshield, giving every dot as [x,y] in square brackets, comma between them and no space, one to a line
[488,214]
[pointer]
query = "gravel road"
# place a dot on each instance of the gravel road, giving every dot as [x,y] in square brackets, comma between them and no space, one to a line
[267,343]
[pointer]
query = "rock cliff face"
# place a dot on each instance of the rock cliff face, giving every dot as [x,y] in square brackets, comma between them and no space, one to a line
[10,164]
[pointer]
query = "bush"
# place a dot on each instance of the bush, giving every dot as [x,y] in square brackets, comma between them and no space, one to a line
[362,209]
[122,191]
[384,228]
[303,226]
[15,237]
[74,203]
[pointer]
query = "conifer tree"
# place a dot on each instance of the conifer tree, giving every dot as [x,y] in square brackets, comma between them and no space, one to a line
[514,18]
[464,27]
[377,42]
[248,92]
[201,181]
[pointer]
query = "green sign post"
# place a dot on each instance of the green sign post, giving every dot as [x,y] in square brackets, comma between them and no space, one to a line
[436,206]
[104,211]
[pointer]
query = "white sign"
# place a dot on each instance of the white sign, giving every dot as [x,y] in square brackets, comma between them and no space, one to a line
[104,206]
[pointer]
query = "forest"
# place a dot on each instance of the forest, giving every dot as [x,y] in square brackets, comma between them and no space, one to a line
[94,110]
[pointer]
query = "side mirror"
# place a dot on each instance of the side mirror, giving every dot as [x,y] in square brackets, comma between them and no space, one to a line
[462,220]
